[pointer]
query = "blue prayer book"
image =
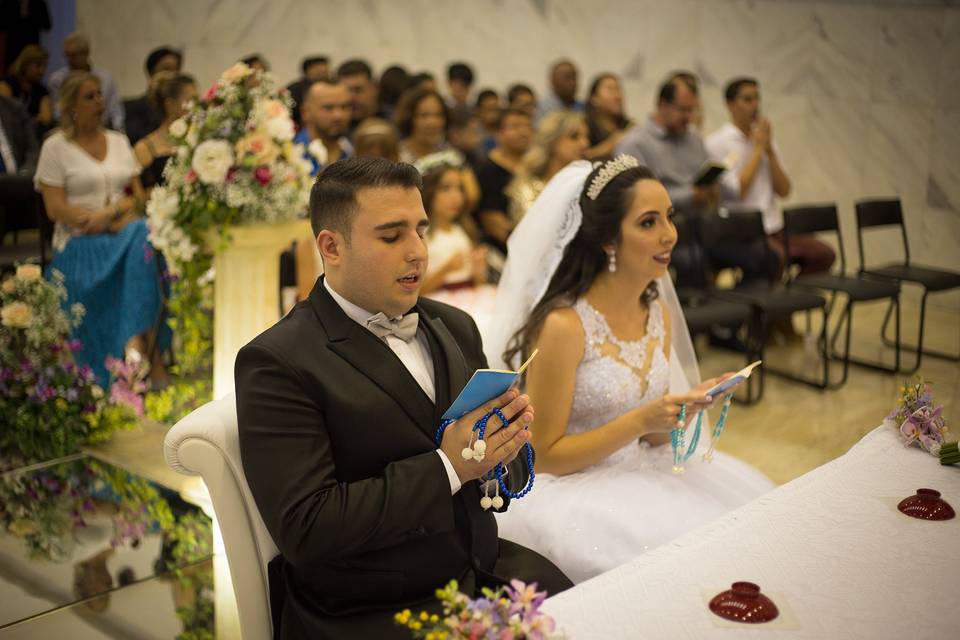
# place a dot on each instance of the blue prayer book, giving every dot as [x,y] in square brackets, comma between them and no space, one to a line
[483,386]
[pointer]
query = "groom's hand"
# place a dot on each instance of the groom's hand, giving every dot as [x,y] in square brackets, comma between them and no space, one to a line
[503,443]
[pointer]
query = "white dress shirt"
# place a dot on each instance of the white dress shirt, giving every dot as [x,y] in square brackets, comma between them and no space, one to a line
[732,147]
[415,356]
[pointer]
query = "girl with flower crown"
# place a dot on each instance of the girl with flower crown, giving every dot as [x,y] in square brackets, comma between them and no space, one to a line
[588,286]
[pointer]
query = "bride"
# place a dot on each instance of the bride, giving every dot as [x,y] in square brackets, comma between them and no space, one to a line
[586,283]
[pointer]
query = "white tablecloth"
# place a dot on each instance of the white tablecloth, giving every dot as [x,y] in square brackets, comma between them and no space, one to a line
[830,543]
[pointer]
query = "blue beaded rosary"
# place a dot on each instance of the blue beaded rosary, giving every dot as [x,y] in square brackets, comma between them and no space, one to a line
[677,435]
[477,450]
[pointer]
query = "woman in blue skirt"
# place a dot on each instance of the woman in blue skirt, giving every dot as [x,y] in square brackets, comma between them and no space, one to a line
[88,178]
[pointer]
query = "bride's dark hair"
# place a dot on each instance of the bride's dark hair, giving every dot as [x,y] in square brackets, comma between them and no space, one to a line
[584,258]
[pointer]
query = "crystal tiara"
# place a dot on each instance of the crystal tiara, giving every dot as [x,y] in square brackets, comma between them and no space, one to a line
[610,170]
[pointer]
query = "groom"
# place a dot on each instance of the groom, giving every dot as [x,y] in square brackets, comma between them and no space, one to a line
[338,406]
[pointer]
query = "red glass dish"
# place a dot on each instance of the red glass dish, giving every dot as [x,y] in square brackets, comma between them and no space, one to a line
[744,603]
[927,505]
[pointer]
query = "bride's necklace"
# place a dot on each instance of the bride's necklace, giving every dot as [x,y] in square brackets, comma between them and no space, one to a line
[477,450]
[682,453]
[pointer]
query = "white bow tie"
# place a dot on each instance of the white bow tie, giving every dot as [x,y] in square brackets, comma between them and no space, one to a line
[405,328]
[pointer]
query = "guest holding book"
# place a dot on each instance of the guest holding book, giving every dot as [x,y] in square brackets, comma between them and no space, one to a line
[588,287]
[337,438]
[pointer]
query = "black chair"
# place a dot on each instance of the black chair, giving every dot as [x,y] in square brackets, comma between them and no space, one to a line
[702,311]
[889,213]
[823,218]
[21,209]
[769,301]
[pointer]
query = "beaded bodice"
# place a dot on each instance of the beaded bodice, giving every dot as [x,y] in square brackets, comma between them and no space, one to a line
[616,376]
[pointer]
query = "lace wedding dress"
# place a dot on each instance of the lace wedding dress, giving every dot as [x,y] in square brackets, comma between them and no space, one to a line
[594,520]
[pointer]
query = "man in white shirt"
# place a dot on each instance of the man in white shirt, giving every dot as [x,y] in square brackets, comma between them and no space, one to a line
[76,51]
[746,145]
[338,407]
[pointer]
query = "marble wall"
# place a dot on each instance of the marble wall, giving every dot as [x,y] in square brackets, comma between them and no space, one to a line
[864,96]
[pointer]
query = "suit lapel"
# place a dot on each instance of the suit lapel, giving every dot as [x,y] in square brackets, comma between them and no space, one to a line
[374,359]
[449,364]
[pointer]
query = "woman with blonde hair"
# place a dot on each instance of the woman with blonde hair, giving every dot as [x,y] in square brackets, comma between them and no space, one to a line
[561,138]
[87,176]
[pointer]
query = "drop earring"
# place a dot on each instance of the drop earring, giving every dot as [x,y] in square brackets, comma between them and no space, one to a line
[612,262]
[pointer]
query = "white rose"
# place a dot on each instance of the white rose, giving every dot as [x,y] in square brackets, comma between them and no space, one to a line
[29,272]
[162,204]
[178,128]
[280,129]
[211,161]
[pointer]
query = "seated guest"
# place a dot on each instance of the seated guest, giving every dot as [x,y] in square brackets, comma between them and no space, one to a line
[88,178]
[696,119]
[563,86]
[746,144]
[605,118]
[454,260]
[421,119]
[25,83]
[561,138]
[357,76]
[376,138]
[337,442]
[171,93]
[18,142]
[313,69]
[522,97]
[76,51]
[257,62]
[423,80]
[394,81]
[459,81]
[488,110]
[514,133]
[142,115]
[326,115]
[465,134]
[676,154]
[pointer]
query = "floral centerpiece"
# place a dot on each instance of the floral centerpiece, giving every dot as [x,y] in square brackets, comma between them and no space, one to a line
[235,163]
[918,419]
[49,405]
[509,613]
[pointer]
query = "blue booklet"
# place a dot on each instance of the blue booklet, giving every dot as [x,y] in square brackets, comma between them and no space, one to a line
[483,386]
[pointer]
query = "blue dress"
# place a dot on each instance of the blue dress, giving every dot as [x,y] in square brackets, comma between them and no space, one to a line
[118,280]
[117,277]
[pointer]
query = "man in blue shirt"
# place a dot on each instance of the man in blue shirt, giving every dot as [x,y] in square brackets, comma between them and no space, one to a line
[326,116]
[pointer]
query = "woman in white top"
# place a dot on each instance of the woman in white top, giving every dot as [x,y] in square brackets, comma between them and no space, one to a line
[454,261]
[88,178]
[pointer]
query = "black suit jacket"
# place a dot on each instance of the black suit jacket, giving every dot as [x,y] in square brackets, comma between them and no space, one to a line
[20,134]
[337,444]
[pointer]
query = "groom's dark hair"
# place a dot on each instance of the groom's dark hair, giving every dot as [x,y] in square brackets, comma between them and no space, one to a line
[333,198]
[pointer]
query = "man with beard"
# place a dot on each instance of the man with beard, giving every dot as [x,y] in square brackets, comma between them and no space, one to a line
[326,116]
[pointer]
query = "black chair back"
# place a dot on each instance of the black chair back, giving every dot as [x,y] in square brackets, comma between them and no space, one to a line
[880,213]
[813,219]
[729,227]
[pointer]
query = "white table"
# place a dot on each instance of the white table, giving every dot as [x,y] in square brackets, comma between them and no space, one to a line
[831,544]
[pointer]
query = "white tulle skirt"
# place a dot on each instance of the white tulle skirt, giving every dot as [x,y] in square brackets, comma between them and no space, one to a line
[592,521]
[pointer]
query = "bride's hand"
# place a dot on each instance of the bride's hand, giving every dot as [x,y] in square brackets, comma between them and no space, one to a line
[706,385]
[660,415]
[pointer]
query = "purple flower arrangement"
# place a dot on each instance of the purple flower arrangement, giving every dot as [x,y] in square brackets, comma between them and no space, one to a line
[511,612]
[918,419]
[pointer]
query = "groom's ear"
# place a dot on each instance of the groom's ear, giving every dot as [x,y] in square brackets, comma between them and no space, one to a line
[330,245]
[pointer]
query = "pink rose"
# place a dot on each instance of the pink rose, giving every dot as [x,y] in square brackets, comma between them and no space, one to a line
[191,177]
[263,175]
[211,93]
